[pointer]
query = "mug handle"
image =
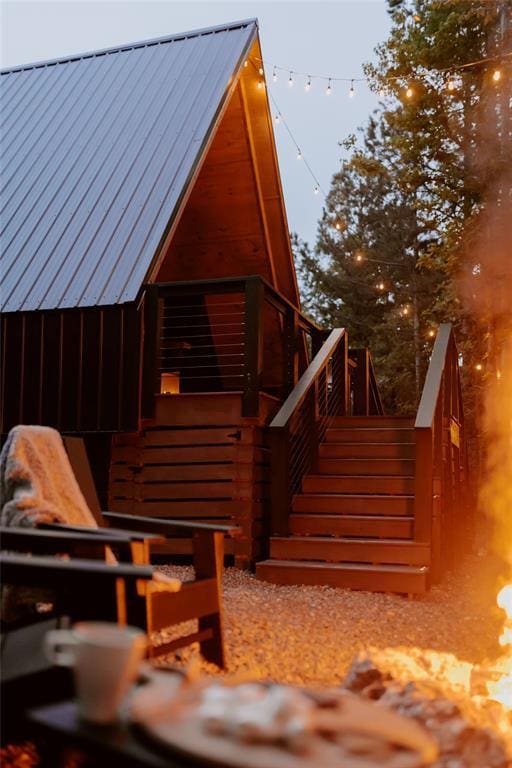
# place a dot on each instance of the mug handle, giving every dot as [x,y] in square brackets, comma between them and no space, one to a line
[58,646]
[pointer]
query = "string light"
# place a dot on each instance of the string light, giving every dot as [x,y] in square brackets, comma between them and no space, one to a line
[380,286]
[431,333]
[261,84]
[451,84]
[328,90]
[478,367]
[359,256]
[246,63]
[316,190]
[295,143]
[307,87]
[338,226]
[449,72]
[404,311]
[352,90]
[277,119]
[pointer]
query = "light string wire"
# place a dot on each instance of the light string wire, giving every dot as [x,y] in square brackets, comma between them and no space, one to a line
[335,78]
[318,186]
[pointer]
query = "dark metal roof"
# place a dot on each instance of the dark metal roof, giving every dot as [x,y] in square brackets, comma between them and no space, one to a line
[97,151]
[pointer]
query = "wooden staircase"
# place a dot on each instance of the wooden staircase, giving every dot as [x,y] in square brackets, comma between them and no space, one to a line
[352,524]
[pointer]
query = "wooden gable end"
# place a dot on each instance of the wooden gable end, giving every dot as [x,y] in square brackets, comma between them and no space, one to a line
[234,221]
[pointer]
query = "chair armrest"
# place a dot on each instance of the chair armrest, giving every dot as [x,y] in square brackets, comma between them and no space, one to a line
[164,526]
[54,572]
[112,533]
[51,542]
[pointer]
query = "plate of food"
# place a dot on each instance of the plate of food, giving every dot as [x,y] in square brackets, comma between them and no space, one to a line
[261,725]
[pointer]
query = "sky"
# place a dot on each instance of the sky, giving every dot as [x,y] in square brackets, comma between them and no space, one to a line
[326,38]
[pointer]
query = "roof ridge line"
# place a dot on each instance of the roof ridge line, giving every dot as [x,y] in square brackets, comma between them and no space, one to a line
[131,46]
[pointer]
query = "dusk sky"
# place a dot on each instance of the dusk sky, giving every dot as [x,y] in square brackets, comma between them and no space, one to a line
[321,38]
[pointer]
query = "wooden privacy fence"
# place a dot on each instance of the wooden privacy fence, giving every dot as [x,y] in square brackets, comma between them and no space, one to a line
[442,517]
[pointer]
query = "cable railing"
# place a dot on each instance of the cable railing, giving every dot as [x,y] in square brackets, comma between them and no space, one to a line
[322,392]
[227,335]
[441,506]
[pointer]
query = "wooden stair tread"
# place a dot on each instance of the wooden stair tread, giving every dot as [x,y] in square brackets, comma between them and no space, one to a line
[320,564]
[351,540]
[369,496]
[359,576]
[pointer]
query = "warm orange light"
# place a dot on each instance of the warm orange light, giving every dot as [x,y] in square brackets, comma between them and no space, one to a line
[380,286]
[261,84]
[359,256]
[409,93]
[431,333]
[170,383]
[478,367]
[496,75]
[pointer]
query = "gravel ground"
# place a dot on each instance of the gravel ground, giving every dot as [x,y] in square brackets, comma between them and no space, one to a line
[312,634]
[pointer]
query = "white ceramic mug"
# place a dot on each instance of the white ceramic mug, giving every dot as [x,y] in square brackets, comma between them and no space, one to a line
[105,659]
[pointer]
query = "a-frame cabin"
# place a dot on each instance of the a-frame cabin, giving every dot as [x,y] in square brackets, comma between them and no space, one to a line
[150,304]
[138,183]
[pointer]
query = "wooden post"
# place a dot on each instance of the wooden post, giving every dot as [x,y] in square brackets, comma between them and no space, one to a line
[279,484]
[253,361]
[423,490]
[362,383]
[209,564]
[291,352]
[151,356]
[342,351]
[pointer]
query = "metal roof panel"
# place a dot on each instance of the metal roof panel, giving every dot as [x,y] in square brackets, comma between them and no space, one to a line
[97,152]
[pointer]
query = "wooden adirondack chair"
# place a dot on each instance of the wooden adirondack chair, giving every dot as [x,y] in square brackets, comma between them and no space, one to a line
[196,600]
[199,599]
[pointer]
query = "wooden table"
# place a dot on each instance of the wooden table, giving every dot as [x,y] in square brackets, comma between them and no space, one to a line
[61,731]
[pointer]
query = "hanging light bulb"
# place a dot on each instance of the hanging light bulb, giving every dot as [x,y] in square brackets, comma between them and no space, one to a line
[261,84]
[274,75]
[277,119]
[316,190]
[260,71]
[451,84]
[359,256]
[380,286]
[352,90]
[404,311]
[246,63]
[338,226]
[307,87]
[409,92]
[496,75]
[431,333]
[382,92]
[328,90]
[478,367]
[290,80]
[299,154]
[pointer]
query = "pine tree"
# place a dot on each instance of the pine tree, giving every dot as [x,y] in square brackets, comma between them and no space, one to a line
[398,210]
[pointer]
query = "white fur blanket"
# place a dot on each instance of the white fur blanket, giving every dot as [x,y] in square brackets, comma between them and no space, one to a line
[37,484]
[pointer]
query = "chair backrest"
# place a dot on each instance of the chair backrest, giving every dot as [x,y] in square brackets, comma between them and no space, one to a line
[77,455]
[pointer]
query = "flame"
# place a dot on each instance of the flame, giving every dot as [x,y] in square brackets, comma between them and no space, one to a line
[501,689]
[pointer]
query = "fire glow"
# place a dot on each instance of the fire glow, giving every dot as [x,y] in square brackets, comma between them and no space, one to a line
[501,690]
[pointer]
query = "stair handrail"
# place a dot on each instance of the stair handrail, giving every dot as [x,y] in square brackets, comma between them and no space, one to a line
[313,401]
[441,459]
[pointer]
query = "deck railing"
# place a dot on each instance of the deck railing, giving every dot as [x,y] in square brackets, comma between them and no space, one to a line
[441,509]
[227,335]
[322,392]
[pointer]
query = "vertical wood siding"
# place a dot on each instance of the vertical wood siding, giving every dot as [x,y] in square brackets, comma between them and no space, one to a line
[76,370]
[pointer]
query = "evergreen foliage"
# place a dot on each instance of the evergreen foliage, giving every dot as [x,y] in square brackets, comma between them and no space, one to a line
[394,240]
